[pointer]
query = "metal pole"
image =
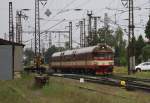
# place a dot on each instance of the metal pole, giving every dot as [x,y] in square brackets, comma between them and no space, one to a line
[95,29]
[84,33]
[50,39]
[35,29]
[133,37]
[90,37]
[11,26]
[129,72]
[18,27]
[31,44]
[59,40]
[20,22]
[37,35]
[131,47]
[95,25]
[81,33]
[70,35]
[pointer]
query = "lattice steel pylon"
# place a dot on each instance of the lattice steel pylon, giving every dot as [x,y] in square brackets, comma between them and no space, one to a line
[18,27]
[37,28]
[84,33]
[37,36]
[90,36]
[131,47]
[81,34]
[37,48]
[70,35]
[11,26]
[95,25]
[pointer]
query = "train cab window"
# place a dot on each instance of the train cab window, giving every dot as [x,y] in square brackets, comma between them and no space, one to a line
[100,55]
[104,55]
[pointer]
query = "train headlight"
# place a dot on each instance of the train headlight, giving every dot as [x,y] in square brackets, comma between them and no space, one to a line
[123,83]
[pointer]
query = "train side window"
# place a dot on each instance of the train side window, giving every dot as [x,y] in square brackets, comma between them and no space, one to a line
[65,58]
[73,57]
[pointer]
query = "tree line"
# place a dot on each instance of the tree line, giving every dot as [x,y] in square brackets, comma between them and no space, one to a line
[115,39]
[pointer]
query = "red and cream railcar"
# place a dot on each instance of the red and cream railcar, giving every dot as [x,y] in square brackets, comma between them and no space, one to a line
[94,60]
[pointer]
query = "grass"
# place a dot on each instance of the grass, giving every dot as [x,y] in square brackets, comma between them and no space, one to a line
[123,71]
[61,90]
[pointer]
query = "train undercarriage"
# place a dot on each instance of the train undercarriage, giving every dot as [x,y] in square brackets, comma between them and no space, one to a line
[91,71]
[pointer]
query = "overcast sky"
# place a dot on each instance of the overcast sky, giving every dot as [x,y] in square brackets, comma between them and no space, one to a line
[97,6]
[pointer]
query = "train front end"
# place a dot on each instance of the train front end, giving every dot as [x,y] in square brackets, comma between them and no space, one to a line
[104,60]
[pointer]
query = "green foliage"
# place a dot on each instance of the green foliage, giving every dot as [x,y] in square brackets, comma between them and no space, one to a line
[120,48]
[105,36]
[92,40]
[118,36]
[147,30]
[62,90]
[29,55]
[53,89]
[66,45]
[146,52]
[49,52]
[138,49]
[123,61]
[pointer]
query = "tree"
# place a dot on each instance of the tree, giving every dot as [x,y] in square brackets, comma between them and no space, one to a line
[120,47]
[147,30]
[29,56]
[92,39]
[105,36]
[146,52]
[67,45]
[49,53]
[138,49]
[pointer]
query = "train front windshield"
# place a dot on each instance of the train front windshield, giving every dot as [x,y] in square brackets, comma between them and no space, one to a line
[104,55]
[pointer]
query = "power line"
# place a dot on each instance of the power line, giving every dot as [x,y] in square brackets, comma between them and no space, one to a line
[70,3]
[53,26]
[67,5]
[84,3]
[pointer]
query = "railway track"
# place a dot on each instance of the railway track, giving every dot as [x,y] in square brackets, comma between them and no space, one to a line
[128,84]
[130,78]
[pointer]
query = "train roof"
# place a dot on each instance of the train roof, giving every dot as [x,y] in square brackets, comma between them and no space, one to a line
[85,50]
[82,50]
[56,54]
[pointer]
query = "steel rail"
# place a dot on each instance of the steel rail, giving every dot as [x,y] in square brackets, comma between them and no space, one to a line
[127,84]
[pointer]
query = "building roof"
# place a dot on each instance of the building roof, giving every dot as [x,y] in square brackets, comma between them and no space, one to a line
[6,42]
